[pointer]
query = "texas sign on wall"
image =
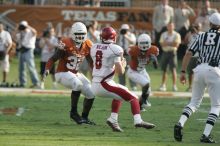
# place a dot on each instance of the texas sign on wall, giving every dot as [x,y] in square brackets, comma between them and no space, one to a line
[63,17]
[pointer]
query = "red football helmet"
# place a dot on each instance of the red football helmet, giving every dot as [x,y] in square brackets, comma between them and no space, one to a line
[108,35]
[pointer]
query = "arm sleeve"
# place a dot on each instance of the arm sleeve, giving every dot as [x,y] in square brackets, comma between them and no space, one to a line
[194,46]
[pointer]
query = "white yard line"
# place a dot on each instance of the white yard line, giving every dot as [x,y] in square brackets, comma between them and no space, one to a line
[67,92]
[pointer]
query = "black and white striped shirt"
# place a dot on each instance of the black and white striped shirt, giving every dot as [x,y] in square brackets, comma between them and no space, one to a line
[207,45]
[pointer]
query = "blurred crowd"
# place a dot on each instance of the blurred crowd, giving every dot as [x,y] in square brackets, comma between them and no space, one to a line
[95,3]
[172,32]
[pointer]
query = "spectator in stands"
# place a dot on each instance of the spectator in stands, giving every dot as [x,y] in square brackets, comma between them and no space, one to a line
[29,2]
[5,46]
[203,18]
[126,39]
[26,38]
[48,44]
[194,30]
[170,41]
[80,2]
[163,14]
[96,3]
[209,9]
[93,35]
[15,2]
[182,15]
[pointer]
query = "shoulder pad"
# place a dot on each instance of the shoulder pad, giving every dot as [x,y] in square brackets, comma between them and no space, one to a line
[88,43]
[63,43]
[154,50]
[133,50]
[116,49]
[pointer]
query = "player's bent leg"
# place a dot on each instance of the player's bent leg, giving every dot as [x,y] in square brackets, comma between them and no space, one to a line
[212,117]
[74,102]
[125,94]
[187,112]
[142,78]
[88,100]
[144,103]
[71,81]
[87,105]
[112,121]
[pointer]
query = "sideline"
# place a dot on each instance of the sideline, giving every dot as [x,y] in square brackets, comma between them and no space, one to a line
[67,92]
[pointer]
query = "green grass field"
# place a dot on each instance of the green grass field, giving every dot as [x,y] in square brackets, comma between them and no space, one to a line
[46,122]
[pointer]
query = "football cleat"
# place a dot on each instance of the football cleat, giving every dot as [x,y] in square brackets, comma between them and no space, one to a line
[146,104]
[115,126]
[76,117]
[178,135]
[142,109]
[87,121]
[145,125]
[206,139]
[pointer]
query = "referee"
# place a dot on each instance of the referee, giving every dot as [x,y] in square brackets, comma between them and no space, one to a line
[206,75]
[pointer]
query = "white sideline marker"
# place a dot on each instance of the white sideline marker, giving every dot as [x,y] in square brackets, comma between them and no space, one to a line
[67,92]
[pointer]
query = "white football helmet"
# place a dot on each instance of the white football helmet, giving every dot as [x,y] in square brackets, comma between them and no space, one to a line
[144,42]
[79,32]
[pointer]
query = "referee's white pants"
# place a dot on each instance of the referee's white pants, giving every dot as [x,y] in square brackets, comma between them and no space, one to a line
[206,76]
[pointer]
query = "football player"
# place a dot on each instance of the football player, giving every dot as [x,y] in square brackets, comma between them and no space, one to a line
[70,53]
[107,59]
[140,55]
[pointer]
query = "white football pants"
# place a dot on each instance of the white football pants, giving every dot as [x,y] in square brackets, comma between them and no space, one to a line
[76,82]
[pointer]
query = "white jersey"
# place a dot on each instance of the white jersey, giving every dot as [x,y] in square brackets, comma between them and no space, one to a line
[26,39]
[48,52]
[5,40]
[104,57]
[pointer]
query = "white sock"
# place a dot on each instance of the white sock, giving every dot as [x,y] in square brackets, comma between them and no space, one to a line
[54,85]
[114,117]
[207,130]
[42,85]
[183,120]
[137,119]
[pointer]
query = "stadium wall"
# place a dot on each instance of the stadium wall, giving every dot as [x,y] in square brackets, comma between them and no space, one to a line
[63,17]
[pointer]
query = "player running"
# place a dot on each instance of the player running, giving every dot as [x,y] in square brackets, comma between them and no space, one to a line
[70,54]
[108,59]
[141,55]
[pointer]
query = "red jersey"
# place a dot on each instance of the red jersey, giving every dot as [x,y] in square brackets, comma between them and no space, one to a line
[70,57]
[139,59]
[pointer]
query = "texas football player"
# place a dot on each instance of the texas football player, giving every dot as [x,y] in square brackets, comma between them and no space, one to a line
[140,55]
[70,54]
